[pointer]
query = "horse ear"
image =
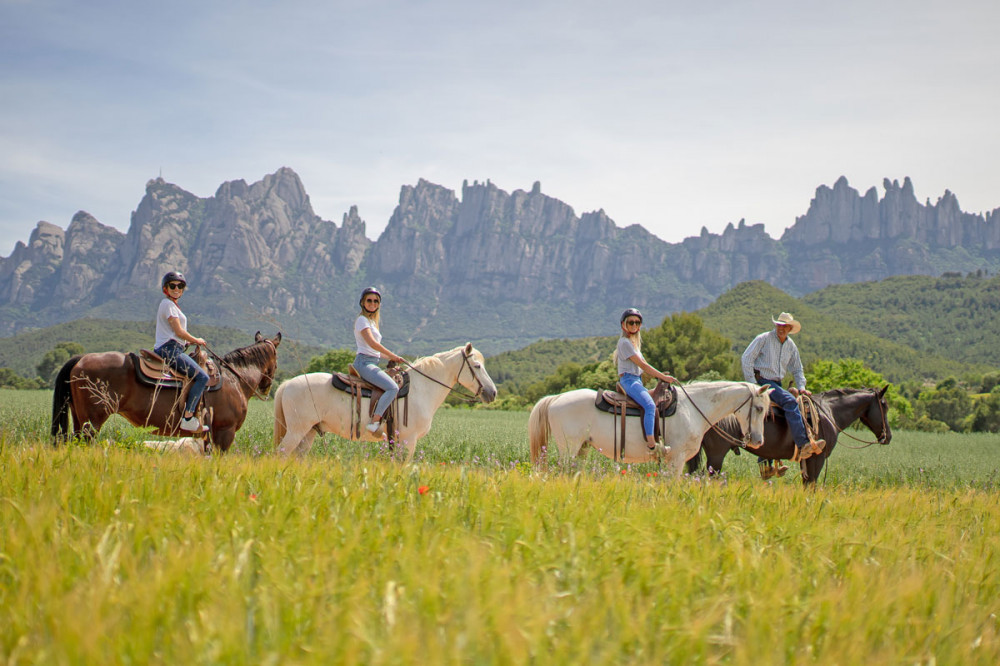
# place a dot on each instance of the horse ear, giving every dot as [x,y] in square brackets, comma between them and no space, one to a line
[881,393]
[763,389]
[277,339]
[257,337]
[468,347]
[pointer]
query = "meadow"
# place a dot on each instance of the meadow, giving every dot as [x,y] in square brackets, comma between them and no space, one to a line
[112,553]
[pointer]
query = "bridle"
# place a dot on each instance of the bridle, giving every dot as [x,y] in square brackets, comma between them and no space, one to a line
[253,388]
[465,396]
[722,433]
[882,415]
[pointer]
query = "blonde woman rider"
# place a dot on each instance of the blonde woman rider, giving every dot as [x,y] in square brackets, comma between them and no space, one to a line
[631,365]
[370,351]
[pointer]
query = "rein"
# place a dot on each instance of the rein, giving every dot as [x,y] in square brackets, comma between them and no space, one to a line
[840,431]
[466,397]
[725,435]
[231,369]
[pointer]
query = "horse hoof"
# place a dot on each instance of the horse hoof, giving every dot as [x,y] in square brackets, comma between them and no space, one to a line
[766,472]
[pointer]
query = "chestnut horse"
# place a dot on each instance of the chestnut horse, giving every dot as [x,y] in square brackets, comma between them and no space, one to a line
[92,387]
[839,408]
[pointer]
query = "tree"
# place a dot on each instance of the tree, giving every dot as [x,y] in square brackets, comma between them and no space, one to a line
[986,415]
[948,403]
[853,373]
[10,379]
[844,373]
[55,359]
[335,360]
[683,347]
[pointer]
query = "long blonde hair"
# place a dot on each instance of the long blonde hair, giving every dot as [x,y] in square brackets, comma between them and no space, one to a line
[636,339]
[374,318]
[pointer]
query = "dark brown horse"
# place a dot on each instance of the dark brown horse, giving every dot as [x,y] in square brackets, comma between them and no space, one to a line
[839,408]
[92,387]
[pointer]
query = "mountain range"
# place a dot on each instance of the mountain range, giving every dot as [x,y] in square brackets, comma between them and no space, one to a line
[502,269]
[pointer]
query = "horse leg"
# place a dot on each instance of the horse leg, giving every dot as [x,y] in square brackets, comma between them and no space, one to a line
[411,447]
[223,438]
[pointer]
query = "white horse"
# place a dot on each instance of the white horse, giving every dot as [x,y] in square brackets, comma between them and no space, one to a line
[572,420]
[308,404]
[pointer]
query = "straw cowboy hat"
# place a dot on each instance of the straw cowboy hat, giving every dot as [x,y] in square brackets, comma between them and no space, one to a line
[788,320]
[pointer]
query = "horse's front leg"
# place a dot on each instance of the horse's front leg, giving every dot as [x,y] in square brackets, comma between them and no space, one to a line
[675,459]
[223,438]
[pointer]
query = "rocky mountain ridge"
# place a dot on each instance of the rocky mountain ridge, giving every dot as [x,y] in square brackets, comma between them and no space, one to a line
[504,268]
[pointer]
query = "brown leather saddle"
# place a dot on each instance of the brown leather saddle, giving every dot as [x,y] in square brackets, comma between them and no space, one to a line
[351,382]
[152,370]
[620,405]
[664,396]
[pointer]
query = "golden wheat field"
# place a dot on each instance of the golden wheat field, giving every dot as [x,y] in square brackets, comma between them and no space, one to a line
[112,553]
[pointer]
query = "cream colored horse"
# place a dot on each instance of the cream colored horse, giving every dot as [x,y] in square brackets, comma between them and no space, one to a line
[572,421]
[307,404]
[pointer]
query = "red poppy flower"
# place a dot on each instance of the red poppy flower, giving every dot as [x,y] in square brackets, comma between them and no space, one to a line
[423,489]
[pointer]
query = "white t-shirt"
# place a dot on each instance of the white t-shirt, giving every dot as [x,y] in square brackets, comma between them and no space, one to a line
[164,331]
[360,324]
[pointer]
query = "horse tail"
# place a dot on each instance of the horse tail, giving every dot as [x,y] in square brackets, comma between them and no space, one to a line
[62,399]
[280,427]
[539,428]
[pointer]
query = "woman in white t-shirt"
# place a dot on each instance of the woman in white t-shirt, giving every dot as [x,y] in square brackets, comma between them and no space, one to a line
[172,338]
[631,365]
[370,350]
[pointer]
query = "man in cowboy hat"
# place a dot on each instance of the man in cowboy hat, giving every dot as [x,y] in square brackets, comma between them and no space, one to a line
[765,362]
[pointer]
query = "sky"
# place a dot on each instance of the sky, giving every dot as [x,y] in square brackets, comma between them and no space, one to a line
[671,115]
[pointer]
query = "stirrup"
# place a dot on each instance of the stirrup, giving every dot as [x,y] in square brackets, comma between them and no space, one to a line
[803,452]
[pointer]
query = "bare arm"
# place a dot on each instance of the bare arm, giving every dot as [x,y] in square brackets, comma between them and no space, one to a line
[650,370]
[366,334]
[175,325]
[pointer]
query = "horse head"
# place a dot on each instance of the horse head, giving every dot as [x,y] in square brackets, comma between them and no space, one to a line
[271,366]
[477,381]
[876,415]
[760,403]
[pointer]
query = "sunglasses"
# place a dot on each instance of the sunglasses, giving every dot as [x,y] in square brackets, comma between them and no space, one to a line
[633,322]
[176,285]
[372,300]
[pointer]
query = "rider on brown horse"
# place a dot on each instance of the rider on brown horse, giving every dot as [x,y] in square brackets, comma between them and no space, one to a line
[765,362]
[172,338]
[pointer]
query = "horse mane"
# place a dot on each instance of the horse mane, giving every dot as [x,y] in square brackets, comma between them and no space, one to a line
[426,363]
[254,356]
[848,390]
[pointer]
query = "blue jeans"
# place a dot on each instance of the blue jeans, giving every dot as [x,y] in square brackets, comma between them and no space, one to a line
[635,390]
[367,367]
[173,353]
[790,406]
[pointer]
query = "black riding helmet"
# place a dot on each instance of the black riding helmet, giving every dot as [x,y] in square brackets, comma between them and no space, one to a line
[369,290]
[173,276]
[631,312]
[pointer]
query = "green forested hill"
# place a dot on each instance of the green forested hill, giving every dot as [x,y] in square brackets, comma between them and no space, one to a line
[952,316]
[908,328]
[23,352]
[516,370]
[747,309]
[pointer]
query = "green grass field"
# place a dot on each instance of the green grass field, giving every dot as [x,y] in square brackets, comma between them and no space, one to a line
[114,554]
